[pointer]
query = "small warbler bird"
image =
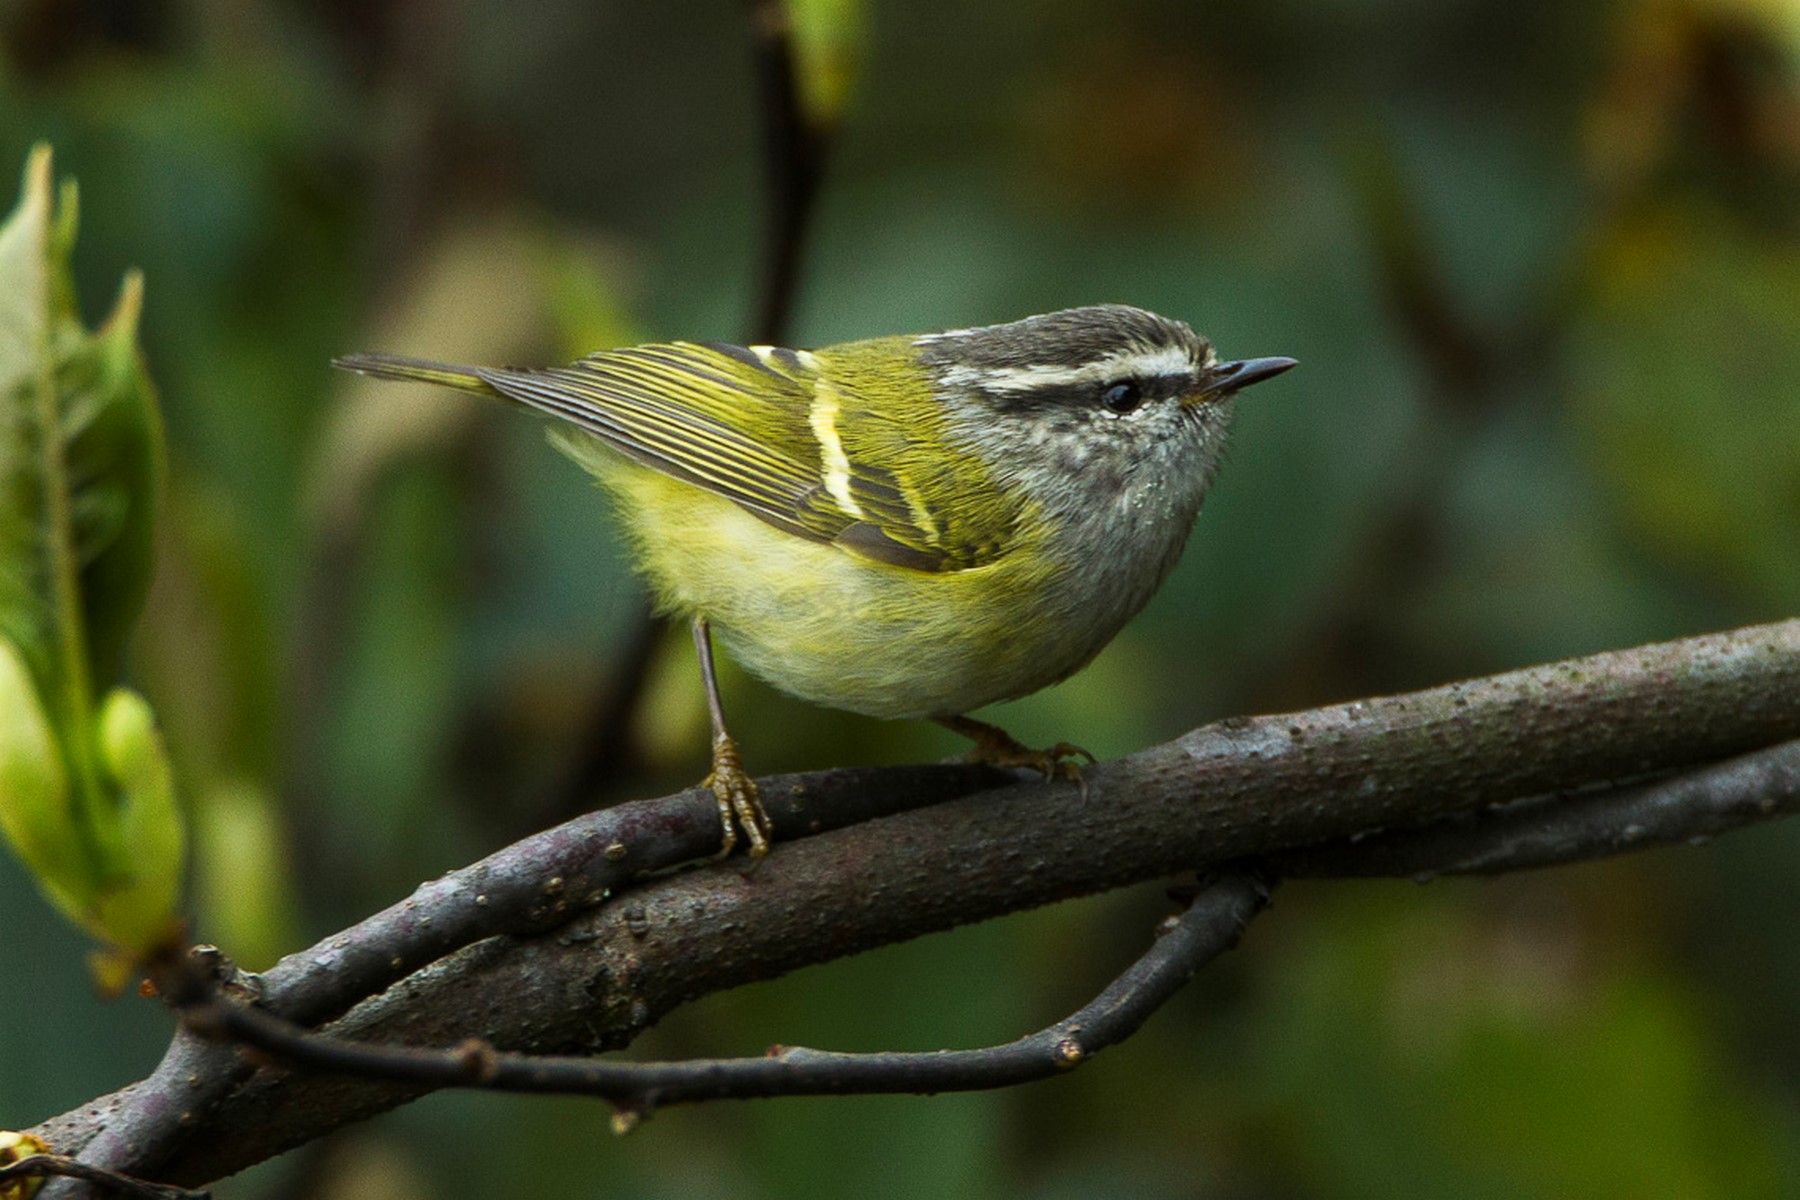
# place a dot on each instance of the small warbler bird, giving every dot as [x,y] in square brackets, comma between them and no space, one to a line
[910,526]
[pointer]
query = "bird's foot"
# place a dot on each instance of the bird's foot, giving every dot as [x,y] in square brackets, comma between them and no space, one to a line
[740,802]
[995,747]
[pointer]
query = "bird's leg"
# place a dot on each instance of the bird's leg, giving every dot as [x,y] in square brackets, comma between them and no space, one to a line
[998,748]
[740,804]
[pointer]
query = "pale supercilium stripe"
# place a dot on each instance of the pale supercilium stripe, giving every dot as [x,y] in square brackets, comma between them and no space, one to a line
[1127,364]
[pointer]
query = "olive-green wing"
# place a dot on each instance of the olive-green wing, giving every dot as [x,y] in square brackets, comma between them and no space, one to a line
[694,413]
[830,460]
[749,425]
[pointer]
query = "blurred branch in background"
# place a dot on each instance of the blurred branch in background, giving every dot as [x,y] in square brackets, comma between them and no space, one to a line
[1465,363]
[799,113]
[401,52]
[1473,370]
[406,69]
[796,132]
[1697,99]
[363,442]
[1241,788]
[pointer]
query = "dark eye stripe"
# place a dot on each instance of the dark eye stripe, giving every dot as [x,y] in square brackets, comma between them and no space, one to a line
[1127,395]
[1166,387]
[1091,395]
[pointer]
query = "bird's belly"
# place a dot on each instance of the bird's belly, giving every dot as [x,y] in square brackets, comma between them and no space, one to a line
[845,632]
[893,643]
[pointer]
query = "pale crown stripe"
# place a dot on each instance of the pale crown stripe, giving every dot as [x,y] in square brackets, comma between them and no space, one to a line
[822,416]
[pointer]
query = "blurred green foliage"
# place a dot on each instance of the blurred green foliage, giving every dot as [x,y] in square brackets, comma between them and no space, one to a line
[1539,265]
[86,796]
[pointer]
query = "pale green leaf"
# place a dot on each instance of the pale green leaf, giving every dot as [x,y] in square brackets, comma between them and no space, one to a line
[85,795]
[144,839]
[34,787]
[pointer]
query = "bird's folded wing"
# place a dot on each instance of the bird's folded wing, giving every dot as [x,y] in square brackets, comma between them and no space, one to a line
[746,424]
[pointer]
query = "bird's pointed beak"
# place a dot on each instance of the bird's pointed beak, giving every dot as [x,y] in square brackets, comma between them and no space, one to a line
[1224,379]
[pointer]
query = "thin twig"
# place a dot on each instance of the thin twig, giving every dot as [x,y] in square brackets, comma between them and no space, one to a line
[1212,923]
[1549,831]
[51,1166]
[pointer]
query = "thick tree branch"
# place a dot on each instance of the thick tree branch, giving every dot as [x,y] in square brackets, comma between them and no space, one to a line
[531,886]
[1697,805]
[1239,788]
[1693,806]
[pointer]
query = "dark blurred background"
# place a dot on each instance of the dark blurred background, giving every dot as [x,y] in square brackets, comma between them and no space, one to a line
[1541,266]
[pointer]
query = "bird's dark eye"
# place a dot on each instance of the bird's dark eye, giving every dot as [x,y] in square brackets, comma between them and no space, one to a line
[1122,397]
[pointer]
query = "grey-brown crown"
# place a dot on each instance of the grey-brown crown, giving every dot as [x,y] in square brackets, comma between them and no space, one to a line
[1071,338]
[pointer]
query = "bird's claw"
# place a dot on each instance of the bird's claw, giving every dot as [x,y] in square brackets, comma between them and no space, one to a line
[995,747]
[740,802]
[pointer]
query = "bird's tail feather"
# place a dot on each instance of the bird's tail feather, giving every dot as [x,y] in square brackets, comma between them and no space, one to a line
[417,370]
